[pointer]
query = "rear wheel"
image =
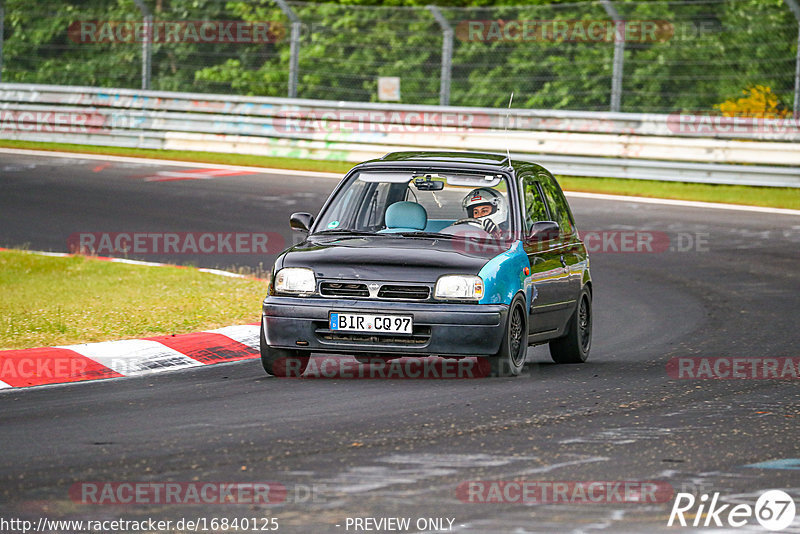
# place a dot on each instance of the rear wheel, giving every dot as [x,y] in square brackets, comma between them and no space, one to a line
[574,346]
[282,362]
[511,357]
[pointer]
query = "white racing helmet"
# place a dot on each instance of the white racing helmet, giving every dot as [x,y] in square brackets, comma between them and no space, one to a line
[485,196]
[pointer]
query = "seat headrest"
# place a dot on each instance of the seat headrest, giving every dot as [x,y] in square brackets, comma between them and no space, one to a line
[406,215]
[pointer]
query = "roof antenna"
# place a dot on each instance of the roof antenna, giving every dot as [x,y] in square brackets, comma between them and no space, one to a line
[508,119]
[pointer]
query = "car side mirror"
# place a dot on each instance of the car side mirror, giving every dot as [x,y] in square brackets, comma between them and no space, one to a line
[544,231]
[301,221]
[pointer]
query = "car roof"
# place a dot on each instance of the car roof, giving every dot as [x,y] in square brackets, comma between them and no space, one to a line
[467,160]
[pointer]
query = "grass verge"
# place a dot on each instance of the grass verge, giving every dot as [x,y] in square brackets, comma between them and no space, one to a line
[55,301]
[772,197]
[775,197]
[189,155]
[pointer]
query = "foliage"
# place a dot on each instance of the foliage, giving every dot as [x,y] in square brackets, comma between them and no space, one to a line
[759,101]
[706,51]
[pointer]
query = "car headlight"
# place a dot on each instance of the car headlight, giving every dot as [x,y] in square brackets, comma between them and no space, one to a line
[459,287]
[295,281]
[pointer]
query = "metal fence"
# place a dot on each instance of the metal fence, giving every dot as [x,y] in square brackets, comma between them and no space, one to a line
[645,56]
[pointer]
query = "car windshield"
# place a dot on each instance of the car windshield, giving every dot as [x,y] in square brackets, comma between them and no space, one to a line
[405,202]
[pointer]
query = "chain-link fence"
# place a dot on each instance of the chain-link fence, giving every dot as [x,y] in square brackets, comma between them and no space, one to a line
[632,56]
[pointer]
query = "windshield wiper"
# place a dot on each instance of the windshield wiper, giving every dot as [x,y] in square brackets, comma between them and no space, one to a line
[341,231]
[423,234]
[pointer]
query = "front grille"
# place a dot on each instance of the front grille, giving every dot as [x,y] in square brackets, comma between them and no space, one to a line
[404,292]
[386,291]
[420,336]
[338,289]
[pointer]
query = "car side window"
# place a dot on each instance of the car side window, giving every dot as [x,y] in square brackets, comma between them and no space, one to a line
[535,209]
[559,209]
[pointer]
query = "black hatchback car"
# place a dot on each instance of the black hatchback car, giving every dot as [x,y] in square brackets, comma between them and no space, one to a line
[433,254]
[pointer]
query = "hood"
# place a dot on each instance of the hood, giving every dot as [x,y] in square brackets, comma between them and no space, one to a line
[388,257]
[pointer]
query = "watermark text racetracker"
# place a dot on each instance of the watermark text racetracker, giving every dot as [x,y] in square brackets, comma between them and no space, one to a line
[576,31]
[564,492]
[375,121]
[734,368]
[409,368]
[183,31]
[57,121]
[110,243]
[706,124]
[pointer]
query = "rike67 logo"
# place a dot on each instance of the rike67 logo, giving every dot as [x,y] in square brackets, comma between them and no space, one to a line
[774,510]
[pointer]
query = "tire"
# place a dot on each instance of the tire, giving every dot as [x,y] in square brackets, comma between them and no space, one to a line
[573,347]
[510,359]
[282,362]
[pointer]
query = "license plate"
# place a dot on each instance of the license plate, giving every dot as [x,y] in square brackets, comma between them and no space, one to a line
[379,324]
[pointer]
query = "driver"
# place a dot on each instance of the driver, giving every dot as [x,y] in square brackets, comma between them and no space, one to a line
[488,207]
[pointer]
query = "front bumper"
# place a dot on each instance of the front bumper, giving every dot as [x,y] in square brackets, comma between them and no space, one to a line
[439,329]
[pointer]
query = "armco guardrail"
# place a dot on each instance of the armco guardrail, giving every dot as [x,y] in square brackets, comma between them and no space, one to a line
[683,147]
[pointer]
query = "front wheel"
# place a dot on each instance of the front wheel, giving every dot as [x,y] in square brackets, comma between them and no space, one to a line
[514,348]
[573,347]
[282,362]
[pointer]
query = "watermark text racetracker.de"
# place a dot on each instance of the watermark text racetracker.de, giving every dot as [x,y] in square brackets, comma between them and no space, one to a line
[196,492]
[644,241]
[596,241]
[111,243]
[132,492]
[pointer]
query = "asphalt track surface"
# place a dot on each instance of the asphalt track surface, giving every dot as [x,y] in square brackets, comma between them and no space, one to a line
[400,448]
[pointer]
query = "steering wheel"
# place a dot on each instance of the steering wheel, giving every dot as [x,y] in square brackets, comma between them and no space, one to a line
[469,220]
[481,233]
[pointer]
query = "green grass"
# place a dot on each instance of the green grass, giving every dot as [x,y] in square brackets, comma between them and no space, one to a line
[55,301]
[189,155]
[776,197]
